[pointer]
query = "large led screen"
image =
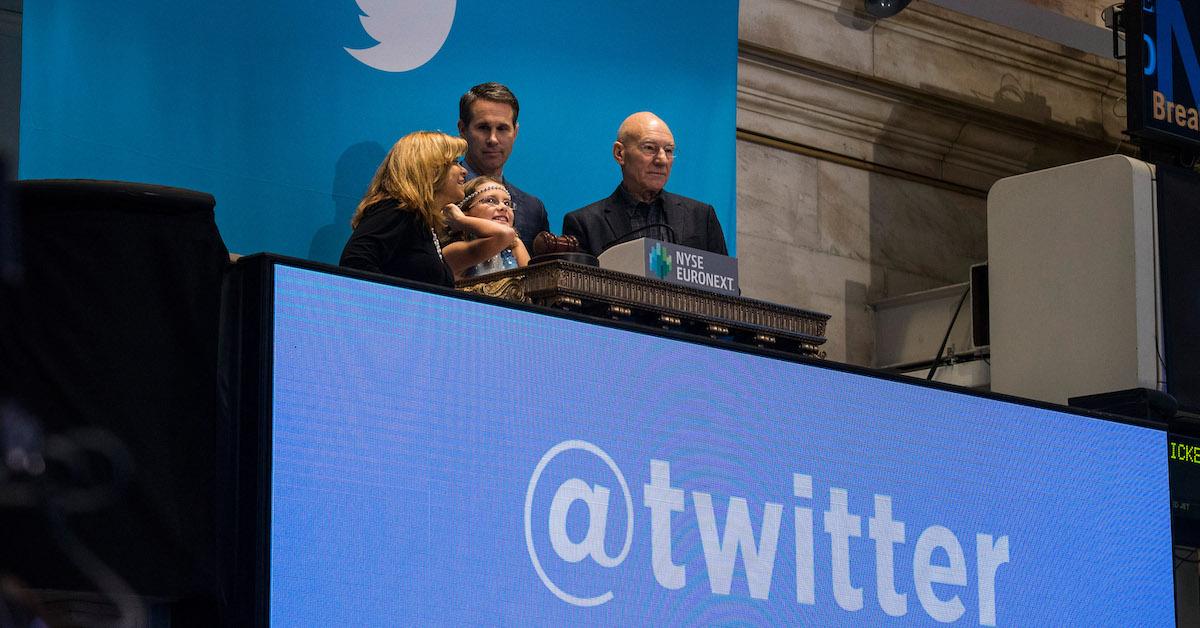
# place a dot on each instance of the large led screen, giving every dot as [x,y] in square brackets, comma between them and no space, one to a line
[448,461]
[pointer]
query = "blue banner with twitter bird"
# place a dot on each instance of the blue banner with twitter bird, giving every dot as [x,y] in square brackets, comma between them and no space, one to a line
[283,110]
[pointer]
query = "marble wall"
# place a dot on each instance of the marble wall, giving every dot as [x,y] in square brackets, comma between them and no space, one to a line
[866,148]
[833,238]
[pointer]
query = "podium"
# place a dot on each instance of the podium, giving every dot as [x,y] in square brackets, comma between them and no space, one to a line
[658,304]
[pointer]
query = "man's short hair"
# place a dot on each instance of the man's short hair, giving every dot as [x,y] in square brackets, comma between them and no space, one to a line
[494,92]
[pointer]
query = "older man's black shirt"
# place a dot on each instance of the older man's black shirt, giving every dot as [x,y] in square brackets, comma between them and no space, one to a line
[642,215]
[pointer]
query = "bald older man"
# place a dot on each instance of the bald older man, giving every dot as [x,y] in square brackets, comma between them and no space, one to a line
[645,150]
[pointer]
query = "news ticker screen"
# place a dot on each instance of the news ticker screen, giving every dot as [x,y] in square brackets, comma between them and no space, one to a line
[1185,489]
[441,460]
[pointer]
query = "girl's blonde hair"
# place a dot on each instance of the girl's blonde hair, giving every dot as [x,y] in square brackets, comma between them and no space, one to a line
[470,190]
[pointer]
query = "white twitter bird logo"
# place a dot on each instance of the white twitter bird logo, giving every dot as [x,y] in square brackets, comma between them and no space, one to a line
[409,32]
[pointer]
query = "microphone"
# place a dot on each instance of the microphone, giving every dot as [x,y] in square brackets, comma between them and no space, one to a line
[622,238]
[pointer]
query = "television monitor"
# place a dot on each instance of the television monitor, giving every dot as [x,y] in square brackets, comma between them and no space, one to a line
[1163,72]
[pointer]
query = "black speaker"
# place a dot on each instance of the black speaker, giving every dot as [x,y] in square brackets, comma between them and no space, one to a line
[113,329]
[885,8]
[1178,198]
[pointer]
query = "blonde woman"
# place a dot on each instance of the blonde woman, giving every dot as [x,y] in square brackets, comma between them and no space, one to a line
[483,237]
[396,224]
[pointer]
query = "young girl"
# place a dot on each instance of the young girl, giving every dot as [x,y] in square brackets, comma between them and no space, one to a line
[482,237]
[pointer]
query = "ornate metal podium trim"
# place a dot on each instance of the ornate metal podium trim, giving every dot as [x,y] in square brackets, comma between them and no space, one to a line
[658,304]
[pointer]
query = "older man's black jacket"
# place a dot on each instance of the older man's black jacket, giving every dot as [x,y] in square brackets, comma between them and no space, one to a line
[598,225]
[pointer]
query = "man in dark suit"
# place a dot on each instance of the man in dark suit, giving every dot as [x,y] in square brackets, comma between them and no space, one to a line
[645,150]
[487,119]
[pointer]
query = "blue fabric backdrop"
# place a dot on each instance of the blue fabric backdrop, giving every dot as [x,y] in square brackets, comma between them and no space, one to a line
[262,105]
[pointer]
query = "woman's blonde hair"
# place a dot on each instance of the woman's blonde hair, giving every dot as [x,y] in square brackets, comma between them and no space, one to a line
[411,173]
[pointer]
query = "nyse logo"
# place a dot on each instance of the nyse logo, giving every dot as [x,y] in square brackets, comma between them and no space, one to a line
[409,32]
[660,260]
[758,545]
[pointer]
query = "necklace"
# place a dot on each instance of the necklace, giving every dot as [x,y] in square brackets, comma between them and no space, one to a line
[436,243]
